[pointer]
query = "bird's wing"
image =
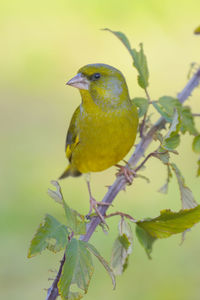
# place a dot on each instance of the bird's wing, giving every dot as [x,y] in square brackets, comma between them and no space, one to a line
[72,138]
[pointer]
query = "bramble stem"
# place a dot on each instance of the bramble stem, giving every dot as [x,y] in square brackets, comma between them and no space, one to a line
[120,181]
[52,293]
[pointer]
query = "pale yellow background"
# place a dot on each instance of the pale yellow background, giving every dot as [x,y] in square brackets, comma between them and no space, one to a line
[43,44]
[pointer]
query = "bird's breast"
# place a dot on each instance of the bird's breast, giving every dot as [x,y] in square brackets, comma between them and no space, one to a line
[105,138]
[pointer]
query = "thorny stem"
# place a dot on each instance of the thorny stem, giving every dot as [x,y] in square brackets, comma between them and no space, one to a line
[120,182]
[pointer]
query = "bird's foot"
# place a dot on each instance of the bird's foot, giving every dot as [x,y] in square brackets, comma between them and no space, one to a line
[94,205]
[128,173]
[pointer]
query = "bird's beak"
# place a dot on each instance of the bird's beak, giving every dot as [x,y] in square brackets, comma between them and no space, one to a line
[79,81]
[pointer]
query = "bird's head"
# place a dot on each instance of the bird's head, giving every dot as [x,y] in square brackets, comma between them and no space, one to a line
[106,85]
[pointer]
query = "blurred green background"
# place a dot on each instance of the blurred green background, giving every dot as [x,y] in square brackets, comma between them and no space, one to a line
[43,44]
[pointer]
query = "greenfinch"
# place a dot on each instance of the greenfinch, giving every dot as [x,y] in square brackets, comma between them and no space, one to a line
[103,127]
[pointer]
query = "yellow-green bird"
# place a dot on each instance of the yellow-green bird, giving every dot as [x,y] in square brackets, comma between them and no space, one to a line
[103,127]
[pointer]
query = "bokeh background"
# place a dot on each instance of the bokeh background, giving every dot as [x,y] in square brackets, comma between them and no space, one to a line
[43,44]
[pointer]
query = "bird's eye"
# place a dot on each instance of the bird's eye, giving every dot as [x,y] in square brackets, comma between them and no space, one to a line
[96,76]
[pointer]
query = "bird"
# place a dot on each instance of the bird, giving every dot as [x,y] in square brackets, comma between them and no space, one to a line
[103,127]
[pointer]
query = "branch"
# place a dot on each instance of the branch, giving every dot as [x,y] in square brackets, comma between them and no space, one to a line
[120,182]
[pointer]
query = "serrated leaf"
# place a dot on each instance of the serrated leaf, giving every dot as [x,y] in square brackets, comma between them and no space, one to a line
[187,121]
[142,104]
[122,37]
[94,251]
[139,58]
[169,223]
[76,272]
[74,220]
[197,30]
[196,144]
[163,155]
[158,137]
[51,235]
[172,138]
[175,125]
[187,197]
[161,111]
[122,248]
[56,195]
[169,104]
[145,239]
[140,63]
[172,142]
[166,106]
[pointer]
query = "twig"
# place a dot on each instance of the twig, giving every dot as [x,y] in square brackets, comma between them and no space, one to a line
[144,161]
[121,214]
[155,153]
[120,182]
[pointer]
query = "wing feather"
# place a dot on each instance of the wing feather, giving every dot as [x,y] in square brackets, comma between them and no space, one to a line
[72,139]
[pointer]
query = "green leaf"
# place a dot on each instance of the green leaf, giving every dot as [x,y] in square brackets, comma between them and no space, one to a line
[166,106]
[172,142]
[197,30]
[196,144]
[142,104]
[169,223]
[122,37]
[122,248]
[56,195]
[139,58]
[172,138]
[187,197]
[161,111]
[187,121]
[145,239]
[175,125]
[140,63]
[94,251]
[74,220]
[163,155]
[77,271]
[169,104]
[51,235]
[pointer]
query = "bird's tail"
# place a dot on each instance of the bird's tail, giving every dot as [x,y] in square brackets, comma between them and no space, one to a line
[70,171]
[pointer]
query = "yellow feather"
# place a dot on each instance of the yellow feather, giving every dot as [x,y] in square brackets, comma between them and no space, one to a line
[103,128]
